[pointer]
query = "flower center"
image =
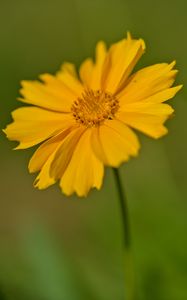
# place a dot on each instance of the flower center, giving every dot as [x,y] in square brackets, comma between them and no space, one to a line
[93,107]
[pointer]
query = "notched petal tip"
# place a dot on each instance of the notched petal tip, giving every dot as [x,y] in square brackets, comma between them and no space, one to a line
[45,77]
[170,67]
[5,131]
[172,64]
[69,68]
[82,195]
[25,86]
[41,184]
[141,41]
[26,83]
[78,193]
[36,184]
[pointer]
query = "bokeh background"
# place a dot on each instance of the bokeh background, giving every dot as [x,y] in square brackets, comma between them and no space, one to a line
[53,247]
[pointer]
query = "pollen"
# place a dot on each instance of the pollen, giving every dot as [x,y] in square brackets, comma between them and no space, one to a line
[93,107]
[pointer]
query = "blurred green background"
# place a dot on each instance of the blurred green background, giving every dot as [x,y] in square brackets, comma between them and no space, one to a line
[53,247]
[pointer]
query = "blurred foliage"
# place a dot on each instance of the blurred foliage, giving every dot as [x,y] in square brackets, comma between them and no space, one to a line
[53,247]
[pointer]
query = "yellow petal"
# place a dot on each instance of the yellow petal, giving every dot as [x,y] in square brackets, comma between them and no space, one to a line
[43,159]
[33,125]
[141,102]
[90,73]
[85,71]
[68,76]
[98,66]
[44,180]
[163,95]
[65,152]
[69,68]
[56,87]
[148,108]
[148,82]
[115,143]
[84,170]
[150,124]
[52,95]
[122,57]
[97,145]
[42,154]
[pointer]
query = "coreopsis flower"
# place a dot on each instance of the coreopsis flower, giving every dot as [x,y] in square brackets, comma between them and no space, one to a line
[85,121]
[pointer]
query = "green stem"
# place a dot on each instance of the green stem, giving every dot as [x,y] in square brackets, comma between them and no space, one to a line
[129,270]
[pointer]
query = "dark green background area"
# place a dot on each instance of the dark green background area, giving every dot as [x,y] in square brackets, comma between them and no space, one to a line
[53,247]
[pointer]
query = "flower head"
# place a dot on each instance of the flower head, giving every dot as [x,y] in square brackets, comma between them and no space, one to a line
[84,121]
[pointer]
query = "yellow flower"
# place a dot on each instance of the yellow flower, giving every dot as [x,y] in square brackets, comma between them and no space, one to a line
[84,121]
